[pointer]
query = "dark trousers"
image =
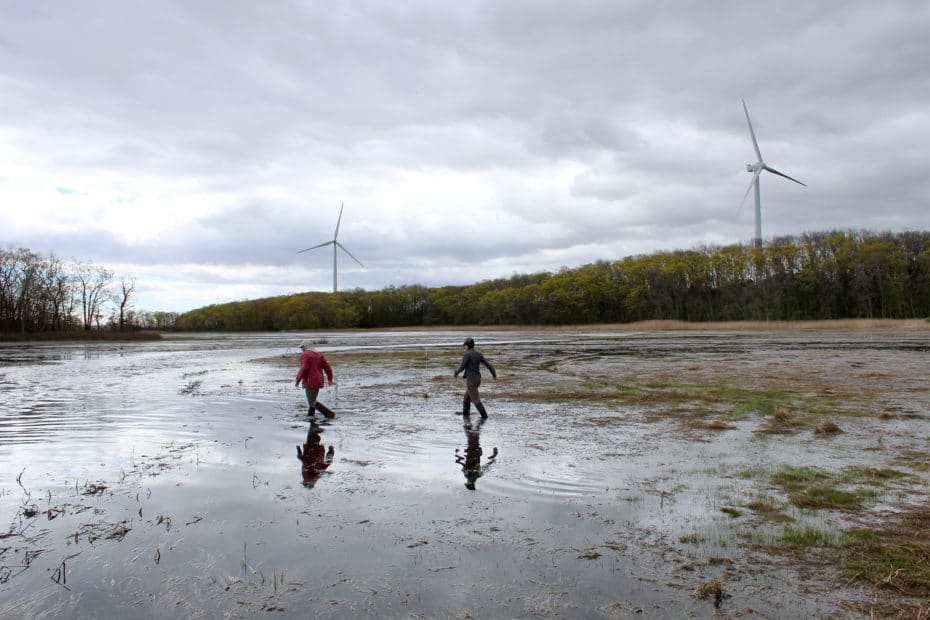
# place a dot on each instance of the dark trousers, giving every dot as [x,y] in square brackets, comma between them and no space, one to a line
[472,396]
[311,393]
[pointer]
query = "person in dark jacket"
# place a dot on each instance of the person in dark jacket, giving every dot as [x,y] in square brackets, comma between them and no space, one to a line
[312,367]
[471,367]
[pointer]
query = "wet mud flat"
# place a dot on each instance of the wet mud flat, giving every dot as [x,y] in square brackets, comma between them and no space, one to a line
[649,474]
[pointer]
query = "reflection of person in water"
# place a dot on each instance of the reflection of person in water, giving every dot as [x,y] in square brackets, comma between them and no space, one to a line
[315,457]
[470,460]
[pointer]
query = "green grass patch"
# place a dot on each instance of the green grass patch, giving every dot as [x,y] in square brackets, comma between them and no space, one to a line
[806,536]
[857,536]
[752,473]
[821,496]
[870,475]
[792,477]
[895,556]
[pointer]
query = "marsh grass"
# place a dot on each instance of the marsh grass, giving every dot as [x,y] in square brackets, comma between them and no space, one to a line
[794,477]
[825,496]
[812,488]
[806,536]
[732,403]
[712,588]
[827,428]
[870,475]
[769,507]
[691,539]
[783,422]
[895,555]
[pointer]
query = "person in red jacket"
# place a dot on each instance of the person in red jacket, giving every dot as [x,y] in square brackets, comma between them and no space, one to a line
[312,367]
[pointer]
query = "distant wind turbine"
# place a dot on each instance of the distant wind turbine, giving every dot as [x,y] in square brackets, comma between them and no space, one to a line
[756,170]
[336,247]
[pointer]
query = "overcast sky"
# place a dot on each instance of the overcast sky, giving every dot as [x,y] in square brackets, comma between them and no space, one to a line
[198,145]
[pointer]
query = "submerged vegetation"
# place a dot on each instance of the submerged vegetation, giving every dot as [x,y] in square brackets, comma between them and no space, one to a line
[816,276]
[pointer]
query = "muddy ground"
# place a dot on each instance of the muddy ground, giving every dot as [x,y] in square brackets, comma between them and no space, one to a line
[671,473]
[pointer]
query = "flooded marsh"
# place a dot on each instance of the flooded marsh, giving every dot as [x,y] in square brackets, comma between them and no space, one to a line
[620,474]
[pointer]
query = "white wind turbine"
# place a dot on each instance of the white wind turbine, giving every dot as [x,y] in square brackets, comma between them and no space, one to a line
[756,170]
[336,247]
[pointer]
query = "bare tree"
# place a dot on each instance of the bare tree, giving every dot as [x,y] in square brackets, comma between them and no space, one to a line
[127,287]
[91,283]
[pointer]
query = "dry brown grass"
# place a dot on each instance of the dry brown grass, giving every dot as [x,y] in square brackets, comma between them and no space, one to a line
[765,325]
[783,422]
[712,588]
[894,557]
[827,429]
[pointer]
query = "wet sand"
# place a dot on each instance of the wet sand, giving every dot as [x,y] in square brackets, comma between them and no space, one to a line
[621,473]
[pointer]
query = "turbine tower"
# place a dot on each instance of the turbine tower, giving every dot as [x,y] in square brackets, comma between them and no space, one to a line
[756,170]
[336,247]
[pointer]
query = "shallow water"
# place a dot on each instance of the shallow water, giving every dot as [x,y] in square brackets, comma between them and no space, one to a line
[161,479]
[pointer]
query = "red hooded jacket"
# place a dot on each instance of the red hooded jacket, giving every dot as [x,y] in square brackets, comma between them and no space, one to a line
[312,367]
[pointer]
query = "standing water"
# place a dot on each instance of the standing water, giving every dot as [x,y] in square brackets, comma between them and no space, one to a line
[162,479]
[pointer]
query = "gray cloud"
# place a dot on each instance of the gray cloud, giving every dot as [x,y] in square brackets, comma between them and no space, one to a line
[200,145]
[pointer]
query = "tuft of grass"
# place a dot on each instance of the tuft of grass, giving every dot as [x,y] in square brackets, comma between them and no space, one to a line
[792,477]
[870,475]
[752,473]
[764,505]
[857,536]
[806,536]
[822,496]
[692,539]
[827,429]
[731,512]
[712,588]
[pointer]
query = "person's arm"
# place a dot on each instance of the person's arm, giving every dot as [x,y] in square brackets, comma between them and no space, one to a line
[327,369]
[462,366]
[301,372]
[491,368]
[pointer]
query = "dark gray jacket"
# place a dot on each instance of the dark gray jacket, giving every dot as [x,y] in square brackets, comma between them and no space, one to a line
[471,362]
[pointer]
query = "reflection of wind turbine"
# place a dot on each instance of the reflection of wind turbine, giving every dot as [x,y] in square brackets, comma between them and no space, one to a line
[336,247]
[756,170]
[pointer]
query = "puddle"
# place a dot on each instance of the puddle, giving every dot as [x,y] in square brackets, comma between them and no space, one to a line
[162,479]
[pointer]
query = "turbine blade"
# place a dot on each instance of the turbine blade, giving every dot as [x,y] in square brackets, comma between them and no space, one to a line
[782,174]
[755,144]
[350,254]
[755,176]
[319,245]
[339,221]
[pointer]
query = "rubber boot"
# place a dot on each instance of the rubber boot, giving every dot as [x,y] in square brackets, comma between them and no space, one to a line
[480,408]
[466,406]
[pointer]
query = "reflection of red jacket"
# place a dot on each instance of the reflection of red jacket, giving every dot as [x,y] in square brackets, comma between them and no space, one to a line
[312,367]
[315,460]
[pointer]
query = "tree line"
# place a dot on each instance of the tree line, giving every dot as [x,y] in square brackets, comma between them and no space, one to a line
[819,275]
[41,294]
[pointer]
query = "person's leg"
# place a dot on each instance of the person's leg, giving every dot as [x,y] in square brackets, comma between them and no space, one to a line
[466,404]
[312,393]
[476,397]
